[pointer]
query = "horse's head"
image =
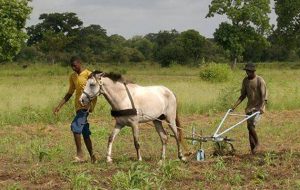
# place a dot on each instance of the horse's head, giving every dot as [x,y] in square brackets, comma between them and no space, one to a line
[93,87]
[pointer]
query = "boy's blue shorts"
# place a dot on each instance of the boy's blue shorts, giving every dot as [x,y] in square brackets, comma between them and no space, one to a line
[80,125]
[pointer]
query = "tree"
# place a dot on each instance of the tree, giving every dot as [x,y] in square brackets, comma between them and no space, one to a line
[161,40]
[13,15]
[247,17]
[142,44]
[287,34]
[173,52]
[66,23]
[192,43]
[92,38]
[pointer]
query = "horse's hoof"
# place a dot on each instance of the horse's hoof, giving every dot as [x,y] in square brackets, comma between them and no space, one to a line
[140,159]
[160,163]
[183,159]
[109,160]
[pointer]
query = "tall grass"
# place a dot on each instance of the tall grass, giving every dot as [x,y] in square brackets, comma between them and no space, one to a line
[29,95]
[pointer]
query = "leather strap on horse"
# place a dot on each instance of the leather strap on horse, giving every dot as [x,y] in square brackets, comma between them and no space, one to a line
[126,112]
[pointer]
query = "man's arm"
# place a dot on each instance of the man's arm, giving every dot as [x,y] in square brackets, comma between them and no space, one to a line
[241,98]
[264,98]
[62,102]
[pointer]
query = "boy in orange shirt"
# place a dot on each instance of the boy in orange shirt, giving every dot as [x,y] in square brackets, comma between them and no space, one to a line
[79,124]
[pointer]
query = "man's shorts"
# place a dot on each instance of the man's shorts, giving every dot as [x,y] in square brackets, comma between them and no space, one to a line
[80,125]
[253,121]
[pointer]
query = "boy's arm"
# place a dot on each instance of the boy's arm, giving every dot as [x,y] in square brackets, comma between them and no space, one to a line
[67,96]
[62,102]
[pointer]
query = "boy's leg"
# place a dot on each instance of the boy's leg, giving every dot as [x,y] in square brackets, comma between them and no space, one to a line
[77,127]
[89,146]
[79,153]
[87,140]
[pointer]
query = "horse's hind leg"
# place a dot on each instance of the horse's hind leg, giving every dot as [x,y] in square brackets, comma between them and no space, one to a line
[111,140]
[135,133]
[163,137]
[172,125]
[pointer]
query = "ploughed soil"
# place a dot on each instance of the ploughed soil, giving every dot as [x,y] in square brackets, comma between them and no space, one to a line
[40,156]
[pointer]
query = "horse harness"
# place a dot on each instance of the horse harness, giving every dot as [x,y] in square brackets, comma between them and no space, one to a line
[126,112]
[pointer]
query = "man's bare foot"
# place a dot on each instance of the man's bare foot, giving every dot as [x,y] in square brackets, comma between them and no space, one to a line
[255,150]
[78,159]
[93,159]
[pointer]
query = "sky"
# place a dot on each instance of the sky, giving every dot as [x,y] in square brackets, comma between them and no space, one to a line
[136,17]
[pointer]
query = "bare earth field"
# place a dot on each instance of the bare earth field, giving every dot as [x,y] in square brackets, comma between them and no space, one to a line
[39,157]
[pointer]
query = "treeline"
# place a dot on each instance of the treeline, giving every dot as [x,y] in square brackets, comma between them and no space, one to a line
[246,36]
[60,35]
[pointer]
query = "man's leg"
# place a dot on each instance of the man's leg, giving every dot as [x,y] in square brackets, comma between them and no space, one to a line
[77,138]
[88,143]
[253,139]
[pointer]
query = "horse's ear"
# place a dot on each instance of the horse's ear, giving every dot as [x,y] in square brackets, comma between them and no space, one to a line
[98,74]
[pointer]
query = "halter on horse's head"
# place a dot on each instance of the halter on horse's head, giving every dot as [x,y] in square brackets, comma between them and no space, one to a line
[94,87]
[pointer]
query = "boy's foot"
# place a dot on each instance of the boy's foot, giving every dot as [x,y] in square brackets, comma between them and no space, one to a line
[77,159]
[93,159]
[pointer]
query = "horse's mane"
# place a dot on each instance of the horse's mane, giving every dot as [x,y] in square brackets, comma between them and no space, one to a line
[116,77]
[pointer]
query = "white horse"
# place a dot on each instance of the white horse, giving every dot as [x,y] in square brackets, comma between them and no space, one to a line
[133,104]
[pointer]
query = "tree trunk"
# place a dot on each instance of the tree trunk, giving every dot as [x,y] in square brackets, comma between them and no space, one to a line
[233,64]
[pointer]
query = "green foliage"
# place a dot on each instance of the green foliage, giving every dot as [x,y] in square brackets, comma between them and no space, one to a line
[250,22]
[138,177]
[286,37]
[143,45]
[216,73]
[192,43]
[171,170]
[171,53]
[81,181]
[228,96]
[60,35]
[210,176]
[29,54]
[220,164]
[269,158]
[261,175]
[236,180]
[244,13]
[13,15]
[56,23]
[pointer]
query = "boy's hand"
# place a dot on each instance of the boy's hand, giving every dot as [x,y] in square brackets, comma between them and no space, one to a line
[56,110]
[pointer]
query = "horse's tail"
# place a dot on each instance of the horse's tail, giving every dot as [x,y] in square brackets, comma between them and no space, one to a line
[180,132]
[179,129]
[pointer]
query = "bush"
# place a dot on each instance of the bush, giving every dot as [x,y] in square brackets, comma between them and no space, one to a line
[29,54]
[216,73]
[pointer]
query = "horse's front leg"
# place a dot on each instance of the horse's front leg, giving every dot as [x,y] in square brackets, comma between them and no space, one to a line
[111,140]
[135,133]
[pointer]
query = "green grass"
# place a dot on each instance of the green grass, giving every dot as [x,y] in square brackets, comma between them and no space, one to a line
[31,94]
